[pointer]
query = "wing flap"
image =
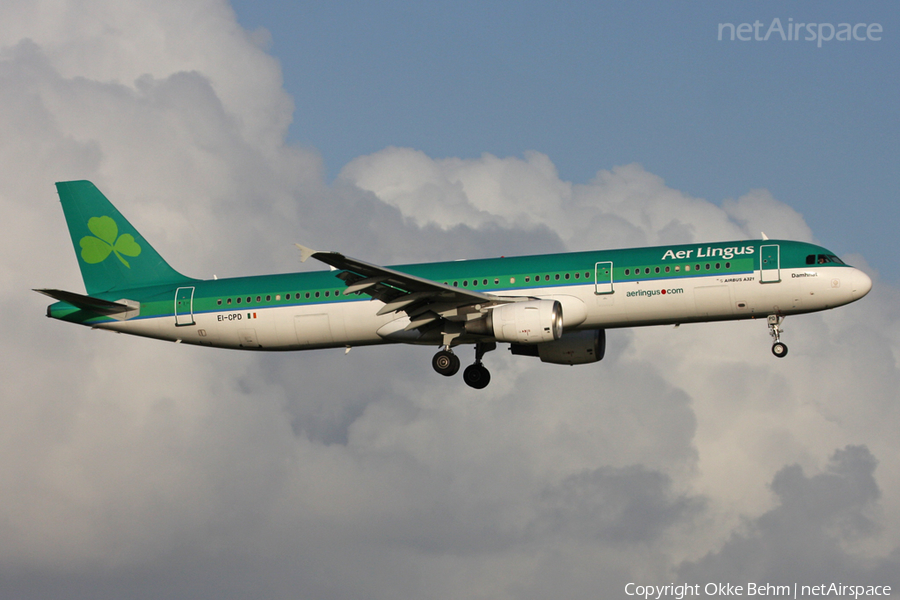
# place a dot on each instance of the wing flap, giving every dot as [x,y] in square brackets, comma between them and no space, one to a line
[401,302]
[425,301]
[363,284]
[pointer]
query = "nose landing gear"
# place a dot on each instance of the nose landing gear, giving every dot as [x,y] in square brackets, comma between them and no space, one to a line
[779,348]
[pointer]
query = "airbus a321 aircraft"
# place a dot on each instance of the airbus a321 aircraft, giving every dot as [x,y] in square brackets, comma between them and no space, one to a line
[554,306]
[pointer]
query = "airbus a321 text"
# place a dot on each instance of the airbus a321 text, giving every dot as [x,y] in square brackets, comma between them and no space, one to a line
[555,307]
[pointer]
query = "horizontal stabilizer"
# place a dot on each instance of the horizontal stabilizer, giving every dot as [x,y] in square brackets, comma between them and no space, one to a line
[121,309]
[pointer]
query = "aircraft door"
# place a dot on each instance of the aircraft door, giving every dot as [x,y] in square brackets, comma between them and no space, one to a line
[769,264]
[603,277]
[184,306]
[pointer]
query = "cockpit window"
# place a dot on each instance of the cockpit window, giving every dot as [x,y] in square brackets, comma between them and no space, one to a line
[823,259]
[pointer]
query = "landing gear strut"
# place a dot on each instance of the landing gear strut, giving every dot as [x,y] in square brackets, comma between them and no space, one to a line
[779,348]
[476,375]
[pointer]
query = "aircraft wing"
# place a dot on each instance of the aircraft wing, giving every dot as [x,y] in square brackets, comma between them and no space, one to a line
[424,300]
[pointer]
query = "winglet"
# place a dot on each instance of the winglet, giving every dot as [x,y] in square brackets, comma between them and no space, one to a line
[764,236]
[305,252]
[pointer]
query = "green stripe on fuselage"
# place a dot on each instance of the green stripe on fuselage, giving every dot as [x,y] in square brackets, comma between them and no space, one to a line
[502,275]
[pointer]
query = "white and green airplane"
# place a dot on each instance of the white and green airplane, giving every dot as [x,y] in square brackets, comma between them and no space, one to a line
[552,306]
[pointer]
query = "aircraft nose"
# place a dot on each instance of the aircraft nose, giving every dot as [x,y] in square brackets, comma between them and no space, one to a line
[861,283]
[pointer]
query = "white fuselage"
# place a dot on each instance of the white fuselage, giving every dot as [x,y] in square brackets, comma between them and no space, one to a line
[631,303]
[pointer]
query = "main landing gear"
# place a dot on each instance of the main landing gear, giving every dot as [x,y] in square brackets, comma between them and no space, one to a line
[446,363]
[475,375]
[779,348]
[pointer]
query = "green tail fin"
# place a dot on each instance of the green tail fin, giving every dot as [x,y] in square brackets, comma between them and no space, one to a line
[111,253]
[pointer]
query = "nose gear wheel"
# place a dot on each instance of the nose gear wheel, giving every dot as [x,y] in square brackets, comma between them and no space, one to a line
[779,348]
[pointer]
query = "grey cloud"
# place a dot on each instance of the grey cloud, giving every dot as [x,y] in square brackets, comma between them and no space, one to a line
[618,506]
[808,537]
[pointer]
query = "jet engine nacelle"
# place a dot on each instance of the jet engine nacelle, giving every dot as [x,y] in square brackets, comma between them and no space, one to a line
[527,322]
[574,348]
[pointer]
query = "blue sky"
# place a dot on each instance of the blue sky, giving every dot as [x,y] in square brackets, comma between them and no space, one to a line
[595,85]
